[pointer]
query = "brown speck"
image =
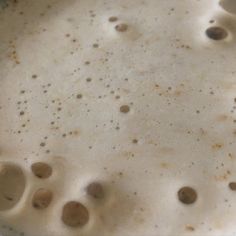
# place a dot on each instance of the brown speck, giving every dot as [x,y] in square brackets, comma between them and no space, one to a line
[112,19]
[135,141]
[76,132]
[88,79]
[217,146]
[232,186]
[120,174]
[95,45]
[22,113]
[34,76]
[222,117]
[189,228]
[124,109]
[87,63]
[42,144]
[121,27]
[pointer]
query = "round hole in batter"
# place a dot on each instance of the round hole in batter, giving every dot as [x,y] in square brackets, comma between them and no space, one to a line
[187,195]
[12,185]
[41,170]
[216,33]
[95,190]
[229,6]
[75,214]
[42,198]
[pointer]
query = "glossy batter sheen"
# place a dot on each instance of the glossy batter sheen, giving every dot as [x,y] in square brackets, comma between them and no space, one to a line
[117,117]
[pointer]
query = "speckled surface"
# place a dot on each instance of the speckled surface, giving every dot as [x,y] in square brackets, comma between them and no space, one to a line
[133,95]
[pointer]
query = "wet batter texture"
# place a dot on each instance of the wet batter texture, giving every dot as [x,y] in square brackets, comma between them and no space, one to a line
[117,117]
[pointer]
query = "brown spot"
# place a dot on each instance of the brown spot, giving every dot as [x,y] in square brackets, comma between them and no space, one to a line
[42,144]
[22,113]
[95,45]
[74,214]
[165,165]
[232,186]
[41,170]
[217,146]
[124,109]
[79,96]
[112,19]
[222,177]
[222,118]
[76,132]
[34,76]
[230,155]
[42,198]
[120,174]
[177,93]
[95,190]
[135,141]
[216,33]
[187,195]
[121,27]
[189,228]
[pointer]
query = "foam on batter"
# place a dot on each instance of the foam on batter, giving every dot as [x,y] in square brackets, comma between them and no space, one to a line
[117,117]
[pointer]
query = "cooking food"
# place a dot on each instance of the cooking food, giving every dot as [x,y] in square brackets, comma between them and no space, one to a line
[117,117]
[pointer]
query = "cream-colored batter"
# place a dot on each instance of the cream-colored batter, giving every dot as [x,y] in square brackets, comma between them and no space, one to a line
[120,115]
